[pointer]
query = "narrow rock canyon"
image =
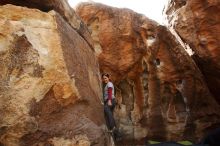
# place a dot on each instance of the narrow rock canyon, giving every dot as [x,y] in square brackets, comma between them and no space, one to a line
[51,58]
[161,93]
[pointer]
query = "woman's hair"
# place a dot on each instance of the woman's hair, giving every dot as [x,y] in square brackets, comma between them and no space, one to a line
[105,74]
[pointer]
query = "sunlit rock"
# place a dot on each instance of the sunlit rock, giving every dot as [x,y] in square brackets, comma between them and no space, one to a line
[49,82]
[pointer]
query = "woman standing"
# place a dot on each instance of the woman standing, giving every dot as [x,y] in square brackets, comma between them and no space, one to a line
[109,102]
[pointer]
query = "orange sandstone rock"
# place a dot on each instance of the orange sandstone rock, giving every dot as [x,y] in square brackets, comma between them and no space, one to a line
[160,90]
[197,22]
[49,82]
[60,6]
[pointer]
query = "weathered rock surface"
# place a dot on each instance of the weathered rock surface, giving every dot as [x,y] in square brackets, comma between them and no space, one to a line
[60,6]
[160,91]
[197,22]
[49,82]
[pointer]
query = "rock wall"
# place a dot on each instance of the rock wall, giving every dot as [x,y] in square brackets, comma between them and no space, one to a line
[197,24]
[60,6]
[49,82]
[160,92]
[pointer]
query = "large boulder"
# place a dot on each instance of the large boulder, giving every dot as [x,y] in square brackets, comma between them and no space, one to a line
[197,22]
[49,82]
[159,89]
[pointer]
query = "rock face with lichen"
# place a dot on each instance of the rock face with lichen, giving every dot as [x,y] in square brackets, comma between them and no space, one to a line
[197,22]
[159,89]
[49,81]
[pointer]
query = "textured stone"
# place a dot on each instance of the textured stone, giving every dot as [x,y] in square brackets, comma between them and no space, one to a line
[60,6]
[197,22]
[49,82]
[159,90]
[107,27]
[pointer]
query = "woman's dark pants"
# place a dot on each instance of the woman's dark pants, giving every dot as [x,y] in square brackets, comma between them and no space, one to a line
[109,118]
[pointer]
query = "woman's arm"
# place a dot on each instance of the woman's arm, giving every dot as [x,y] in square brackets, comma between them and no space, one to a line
[110,96]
